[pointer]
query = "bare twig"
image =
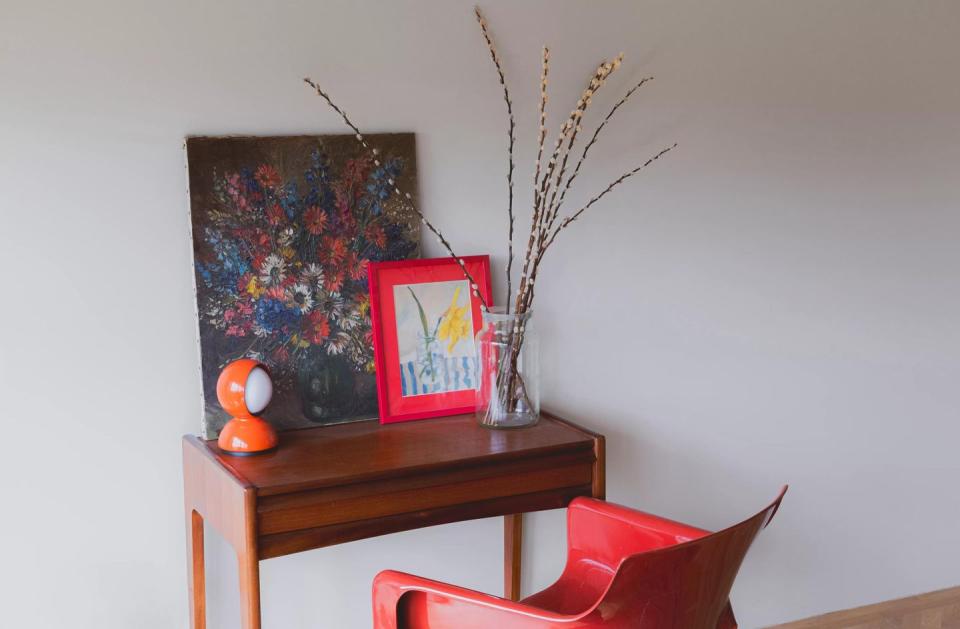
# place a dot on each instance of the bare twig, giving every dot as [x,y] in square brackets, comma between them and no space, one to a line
[542,122]
[563,224]
[587,98]
[511,138]
[589,145]
[568,132]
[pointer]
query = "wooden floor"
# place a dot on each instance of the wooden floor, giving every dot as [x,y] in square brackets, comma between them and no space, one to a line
[934,610]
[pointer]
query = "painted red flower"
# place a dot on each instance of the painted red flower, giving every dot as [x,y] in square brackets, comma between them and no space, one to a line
[334,280]
[267,176]
[376,235]
[315,220]
[355,171]
[317,328]
[357,268]
[332,250]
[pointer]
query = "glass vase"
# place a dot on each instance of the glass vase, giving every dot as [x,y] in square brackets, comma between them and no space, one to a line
[509,355]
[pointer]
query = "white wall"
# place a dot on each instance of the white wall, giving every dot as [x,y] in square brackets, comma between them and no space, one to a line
[777,301]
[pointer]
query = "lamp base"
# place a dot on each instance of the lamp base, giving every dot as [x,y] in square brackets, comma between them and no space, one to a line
[243,436]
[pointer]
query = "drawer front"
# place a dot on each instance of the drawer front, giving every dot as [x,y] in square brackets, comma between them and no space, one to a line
[434,490]
[281,544]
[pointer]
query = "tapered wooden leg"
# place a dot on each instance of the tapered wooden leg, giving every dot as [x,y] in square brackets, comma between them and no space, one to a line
[512,549]
[249,568]
[196,579]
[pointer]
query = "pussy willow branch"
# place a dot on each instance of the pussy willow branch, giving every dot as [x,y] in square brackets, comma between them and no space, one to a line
[588,146]
[541,139]
[540,197]
[538,234]
[568,131]
[630,173]
[541,190]
[511,136]
[542,122]
[587,98]
[474,286]
[528,297]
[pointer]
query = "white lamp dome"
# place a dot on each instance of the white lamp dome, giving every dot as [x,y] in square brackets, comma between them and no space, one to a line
[258,390]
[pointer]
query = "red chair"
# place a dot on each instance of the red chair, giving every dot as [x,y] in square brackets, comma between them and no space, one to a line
[624,569]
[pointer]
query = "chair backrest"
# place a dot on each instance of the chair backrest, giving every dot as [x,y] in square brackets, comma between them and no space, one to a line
[684,586]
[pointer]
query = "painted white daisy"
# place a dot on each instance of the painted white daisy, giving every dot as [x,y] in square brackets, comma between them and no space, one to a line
[313,276]
[337,343]
[273,270]
[301,297]
[330,304]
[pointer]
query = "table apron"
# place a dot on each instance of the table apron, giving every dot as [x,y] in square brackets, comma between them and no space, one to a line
[280,544]
[393,496]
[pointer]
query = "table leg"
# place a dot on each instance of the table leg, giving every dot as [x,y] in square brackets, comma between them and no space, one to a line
[195,571]
[512,550]
[249,568]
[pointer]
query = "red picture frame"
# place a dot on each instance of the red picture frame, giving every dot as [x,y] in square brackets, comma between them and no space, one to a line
[423,335]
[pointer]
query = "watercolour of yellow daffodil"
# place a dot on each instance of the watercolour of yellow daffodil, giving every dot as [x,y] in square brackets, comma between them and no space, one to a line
[453,325]
[439,360]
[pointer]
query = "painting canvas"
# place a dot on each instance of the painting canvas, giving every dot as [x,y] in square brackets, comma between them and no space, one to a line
[426,315]
[284,229]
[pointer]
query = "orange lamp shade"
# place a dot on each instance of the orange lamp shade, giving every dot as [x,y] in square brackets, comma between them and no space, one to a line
[244,390]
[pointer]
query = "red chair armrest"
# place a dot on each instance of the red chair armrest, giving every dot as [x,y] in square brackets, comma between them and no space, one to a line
[419,599]
[607,532]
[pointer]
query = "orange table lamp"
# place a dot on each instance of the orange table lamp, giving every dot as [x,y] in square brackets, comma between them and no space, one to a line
[244,390]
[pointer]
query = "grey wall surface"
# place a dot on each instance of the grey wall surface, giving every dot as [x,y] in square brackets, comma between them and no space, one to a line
[775,302]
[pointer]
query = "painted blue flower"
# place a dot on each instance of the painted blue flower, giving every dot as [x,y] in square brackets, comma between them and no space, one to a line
[205,274]
[290,200]
[379,187]
[249,180]
[320,191]
[233,263]
[272,315]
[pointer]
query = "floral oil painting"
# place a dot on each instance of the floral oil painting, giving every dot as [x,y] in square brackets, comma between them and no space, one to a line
[284,229]
[435,337]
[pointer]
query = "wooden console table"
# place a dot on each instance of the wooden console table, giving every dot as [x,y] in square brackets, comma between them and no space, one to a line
[336,484]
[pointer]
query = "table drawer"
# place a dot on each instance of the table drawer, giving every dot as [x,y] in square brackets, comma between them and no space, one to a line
[419,492]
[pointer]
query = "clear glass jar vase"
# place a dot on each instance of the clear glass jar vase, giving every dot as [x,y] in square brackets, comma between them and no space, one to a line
[509,355]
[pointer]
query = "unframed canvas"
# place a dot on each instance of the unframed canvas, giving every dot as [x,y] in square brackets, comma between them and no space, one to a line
[283,231]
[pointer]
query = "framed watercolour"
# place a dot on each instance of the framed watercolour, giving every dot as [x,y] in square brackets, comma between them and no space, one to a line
[425,317]
[283,231]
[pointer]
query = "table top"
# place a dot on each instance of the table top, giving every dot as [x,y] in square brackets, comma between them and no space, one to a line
[327,456]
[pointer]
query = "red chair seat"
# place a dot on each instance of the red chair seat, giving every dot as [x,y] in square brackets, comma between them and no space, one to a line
[624,568]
